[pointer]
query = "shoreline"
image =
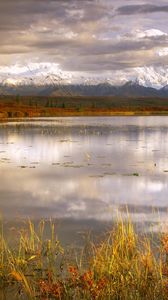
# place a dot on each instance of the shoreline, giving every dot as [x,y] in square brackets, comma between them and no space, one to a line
[85,114]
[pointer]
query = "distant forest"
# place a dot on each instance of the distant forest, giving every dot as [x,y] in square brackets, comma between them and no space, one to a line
[38,106]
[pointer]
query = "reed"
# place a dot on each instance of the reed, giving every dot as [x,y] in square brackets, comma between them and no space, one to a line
[124,265]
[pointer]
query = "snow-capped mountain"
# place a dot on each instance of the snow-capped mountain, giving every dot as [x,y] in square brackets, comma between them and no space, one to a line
[152,77]
[50,74]
[165,88]
[48,79]
[33,74]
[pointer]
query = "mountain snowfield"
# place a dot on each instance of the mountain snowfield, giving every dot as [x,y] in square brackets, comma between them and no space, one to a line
[33,74]
[40,74]
[152,77]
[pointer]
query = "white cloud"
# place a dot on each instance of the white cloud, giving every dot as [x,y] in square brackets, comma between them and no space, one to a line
[149,33]
[163,51]
[29,68]
[138,34]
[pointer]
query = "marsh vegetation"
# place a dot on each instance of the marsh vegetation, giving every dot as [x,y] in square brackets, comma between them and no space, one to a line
[124,265]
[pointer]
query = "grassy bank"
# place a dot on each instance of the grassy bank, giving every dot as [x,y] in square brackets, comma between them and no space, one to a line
[21,107]
[123,266]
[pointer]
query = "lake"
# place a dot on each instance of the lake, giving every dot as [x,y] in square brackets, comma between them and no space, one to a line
[85,171]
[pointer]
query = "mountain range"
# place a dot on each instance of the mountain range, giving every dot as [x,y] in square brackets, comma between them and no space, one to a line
[129,89]
[45,79]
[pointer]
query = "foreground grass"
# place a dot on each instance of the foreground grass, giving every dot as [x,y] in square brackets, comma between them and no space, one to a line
[123,266]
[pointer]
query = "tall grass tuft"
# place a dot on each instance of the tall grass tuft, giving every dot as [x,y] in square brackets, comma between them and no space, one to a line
[124,265]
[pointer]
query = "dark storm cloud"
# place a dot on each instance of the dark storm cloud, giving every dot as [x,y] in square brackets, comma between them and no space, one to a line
[141,9]
[21,14]
[16,13]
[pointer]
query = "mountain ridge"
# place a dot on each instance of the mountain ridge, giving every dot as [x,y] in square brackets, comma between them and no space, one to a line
[128,89]
[42,74]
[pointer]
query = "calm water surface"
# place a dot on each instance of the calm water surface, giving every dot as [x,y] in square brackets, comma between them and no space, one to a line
[85,170]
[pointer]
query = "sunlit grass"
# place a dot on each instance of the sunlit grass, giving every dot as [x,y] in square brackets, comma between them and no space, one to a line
[124,265]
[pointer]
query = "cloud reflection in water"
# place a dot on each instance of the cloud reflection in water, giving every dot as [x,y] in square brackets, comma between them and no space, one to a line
[84,169]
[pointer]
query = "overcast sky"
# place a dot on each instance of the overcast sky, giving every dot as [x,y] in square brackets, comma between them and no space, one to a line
[87,36]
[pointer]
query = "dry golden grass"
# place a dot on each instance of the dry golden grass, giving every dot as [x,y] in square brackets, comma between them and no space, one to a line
[123,266]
